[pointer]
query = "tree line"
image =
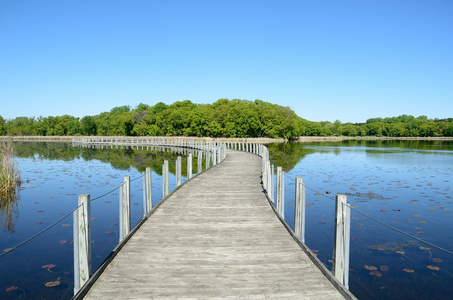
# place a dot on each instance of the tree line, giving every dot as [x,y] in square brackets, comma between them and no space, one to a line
[223,118]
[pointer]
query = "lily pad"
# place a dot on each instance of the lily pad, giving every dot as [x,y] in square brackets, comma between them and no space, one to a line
[408,270]
[376,273]
[52,283]
[48,266]
[11,288]
[434,268]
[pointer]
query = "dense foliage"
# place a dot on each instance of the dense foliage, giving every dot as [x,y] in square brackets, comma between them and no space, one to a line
[224,118]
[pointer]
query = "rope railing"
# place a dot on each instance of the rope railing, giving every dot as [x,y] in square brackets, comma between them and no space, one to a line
[9,250]
[342,218]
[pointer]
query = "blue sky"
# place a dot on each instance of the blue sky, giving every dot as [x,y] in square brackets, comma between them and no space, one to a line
[348,60]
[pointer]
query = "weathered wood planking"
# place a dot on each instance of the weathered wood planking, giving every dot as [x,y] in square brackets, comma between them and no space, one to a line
[216,237]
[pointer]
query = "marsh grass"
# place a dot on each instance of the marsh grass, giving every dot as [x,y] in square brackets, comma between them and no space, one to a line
[9,185]
[9,174]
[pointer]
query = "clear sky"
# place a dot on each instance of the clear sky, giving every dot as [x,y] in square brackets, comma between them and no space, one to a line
[340,59]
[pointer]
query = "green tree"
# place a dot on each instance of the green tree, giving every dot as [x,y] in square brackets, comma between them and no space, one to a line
[88,125]
[2,126]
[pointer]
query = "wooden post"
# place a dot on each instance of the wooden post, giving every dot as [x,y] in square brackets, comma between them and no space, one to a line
[82,244]
[269,179]
[125,210]
[149,193]
[165,179]
[299,211]
[199,162]
[189,166]
[273,183]
[208,158]
[342,240]
[178,171]
[280,193]
[75,241]
[145,202]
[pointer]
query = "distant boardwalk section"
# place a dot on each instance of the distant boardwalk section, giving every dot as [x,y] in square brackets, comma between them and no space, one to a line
[215,237]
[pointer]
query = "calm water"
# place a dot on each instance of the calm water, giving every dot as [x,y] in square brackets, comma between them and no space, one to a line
[55,174]
[407,185]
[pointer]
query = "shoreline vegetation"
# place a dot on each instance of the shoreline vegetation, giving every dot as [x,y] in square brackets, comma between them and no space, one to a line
[10,184]
[302,139]
[223,119]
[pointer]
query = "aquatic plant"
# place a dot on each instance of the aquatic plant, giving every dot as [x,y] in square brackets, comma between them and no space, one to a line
[9,173]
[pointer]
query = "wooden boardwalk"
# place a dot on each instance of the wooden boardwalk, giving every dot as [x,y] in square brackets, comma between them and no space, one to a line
[216,237]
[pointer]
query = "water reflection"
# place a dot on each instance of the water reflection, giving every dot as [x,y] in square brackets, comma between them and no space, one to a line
[405,184]
[9,212]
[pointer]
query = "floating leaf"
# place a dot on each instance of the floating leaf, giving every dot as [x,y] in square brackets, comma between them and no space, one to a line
[48,266]
[400,252]
[384,268]
[408,270]
[434,268]
[11,288]
[40,210]
[62,242]
[376,273]
[438,260]
[322,222]
[424,248]
[110,232]
[314,251]
[422,222]
[380,249]
[52,283]
[370,268]
[417,216]
[66,225]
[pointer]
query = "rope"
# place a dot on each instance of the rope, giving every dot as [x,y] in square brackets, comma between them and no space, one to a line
[400,231]
[113,190]
[385,224]
[39,233]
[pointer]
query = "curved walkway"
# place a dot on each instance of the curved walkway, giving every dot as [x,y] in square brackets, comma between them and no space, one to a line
[216,237]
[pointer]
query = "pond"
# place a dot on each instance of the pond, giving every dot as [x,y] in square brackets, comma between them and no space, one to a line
[53,175]
[405,185]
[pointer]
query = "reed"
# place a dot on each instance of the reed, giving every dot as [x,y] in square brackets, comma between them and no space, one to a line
[9,173]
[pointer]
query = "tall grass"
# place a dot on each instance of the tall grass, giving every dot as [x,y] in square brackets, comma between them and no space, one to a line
[9,186]
[9,173]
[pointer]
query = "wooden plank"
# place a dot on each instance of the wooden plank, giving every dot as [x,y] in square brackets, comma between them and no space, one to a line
[216,237]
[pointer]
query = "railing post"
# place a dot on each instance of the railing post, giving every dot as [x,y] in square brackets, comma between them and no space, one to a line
[178,171]
[199,162]
[165,179]
[189,166]
[214,155]
[342,240]
[125,210]
[82,243]
[149,193]
[273,184]
[280,193]
[208,157]
[299,211]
